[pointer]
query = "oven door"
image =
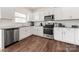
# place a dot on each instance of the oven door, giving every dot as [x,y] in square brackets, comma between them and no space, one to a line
[48,31]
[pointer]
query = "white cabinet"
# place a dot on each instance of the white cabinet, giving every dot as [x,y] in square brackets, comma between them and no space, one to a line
[75,12]
[1,39]
[77,36]
[28,31]
[7,12]
[68,35]
[58,33]
[34,30]
[35,16]
[24,32]
[38,31]
[58,13]
[64,34]
[64,13]
[39,14]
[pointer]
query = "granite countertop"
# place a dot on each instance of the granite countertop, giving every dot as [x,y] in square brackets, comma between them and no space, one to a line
[15,26]
[12,25]
[7,27]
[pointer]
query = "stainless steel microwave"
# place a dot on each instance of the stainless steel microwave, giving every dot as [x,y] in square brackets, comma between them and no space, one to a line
[49,18]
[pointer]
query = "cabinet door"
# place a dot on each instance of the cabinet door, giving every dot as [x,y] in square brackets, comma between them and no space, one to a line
[22,33]
[58,34]
[58,13]
[36,16]
[1,39]
[40,31]
[77,36]
[75,12]
[68,35]
[34,30]
[63,13]
[66,13]
[37,31]
[28,31]
[41,16]
[7,12]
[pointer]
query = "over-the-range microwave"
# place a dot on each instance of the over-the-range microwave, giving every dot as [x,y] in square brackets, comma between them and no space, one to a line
[49,18]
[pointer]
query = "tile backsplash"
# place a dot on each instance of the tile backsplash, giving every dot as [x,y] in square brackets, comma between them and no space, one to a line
[69,23]
[12,23]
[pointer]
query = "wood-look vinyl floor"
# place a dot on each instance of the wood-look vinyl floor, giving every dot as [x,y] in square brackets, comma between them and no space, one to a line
[40,44]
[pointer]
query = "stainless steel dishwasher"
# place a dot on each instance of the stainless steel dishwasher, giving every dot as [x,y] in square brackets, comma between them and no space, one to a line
[11,36]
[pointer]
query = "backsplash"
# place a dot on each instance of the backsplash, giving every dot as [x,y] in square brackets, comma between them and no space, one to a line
[7,22]
[66,23]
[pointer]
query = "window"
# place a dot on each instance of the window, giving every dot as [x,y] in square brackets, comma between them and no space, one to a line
[19,17]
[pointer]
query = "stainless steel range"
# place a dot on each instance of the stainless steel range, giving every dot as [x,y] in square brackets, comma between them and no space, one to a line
[48,30]
[49,26]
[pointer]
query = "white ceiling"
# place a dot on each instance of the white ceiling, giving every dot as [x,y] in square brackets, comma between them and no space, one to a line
[30,8]
[33,8]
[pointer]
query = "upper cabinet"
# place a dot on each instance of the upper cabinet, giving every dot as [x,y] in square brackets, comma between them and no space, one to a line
[62,13]
[75,12]
[35,16]
[58,13]
[66,13]
[7,12]
[39,14]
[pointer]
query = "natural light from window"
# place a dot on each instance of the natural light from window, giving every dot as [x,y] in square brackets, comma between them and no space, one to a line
[19,17]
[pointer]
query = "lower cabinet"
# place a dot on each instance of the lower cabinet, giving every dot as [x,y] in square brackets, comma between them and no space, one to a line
[34,30]
[68,35]
[58,34]
[24,32]
[65,34]
[38,31]
[77,36]
[1,39]
[27,31]
[21,33]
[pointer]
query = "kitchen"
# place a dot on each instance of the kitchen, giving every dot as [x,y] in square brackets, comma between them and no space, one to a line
[59,24]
